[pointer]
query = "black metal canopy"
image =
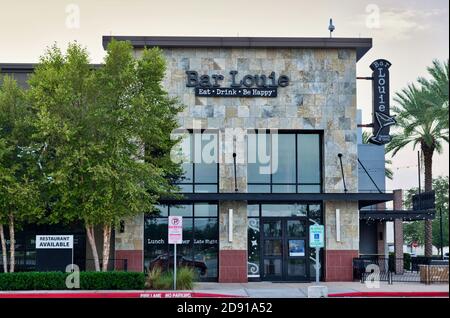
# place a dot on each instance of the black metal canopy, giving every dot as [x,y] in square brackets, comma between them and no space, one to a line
[363,199]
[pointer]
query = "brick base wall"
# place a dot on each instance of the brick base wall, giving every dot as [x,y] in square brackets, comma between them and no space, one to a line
[339,265]
[233,266]
[135,260]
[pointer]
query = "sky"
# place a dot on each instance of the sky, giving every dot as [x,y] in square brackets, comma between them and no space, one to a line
[408,33]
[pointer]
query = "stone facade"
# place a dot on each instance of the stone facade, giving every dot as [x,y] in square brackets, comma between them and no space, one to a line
[349,229]
[321,96]
[233,255]
[339,254]
[129,245]
[239,241]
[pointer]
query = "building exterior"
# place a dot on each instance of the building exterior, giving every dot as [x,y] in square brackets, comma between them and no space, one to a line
[270,147]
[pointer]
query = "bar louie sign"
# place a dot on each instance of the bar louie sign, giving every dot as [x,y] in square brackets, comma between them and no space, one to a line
[381,118]
[245,86]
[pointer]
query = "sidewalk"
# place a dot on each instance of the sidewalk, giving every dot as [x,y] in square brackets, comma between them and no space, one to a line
[251,290]
[300,290]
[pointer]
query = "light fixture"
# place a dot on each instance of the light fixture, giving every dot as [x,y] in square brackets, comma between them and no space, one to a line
[338,225]
[230,225]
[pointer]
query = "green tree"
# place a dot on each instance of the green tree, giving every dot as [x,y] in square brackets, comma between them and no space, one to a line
[19,173]
[422,119]
[105,136]
[437,88]
[414,231]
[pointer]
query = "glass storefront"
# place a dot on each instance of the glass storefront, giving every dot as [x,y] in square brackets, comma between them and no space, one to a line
[278,241]
[200,239]
[25,244]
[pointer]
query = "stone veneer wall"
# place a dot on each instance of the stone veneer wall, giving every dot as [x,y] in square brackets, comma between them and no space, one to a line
[129,245]
[339,254]
[233,255]
[321,96]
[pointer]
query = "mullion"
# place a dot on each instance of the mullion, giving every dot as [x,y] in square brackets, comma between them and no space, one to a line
[296,162]
[271,162]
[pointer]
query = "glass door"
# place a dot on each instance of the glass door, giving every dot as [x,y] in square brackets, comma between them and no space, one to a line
[272,249]
[296,249]
[284,249]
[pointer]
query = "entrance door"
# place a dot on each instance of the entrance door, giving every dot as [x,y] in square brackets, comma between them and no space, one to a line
[285,249]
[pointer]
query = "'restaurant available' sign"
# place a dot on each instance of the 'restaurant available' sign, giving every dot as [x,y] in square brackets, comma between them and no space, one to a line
[381,118]
[245,86]
[54,252]
[54,241]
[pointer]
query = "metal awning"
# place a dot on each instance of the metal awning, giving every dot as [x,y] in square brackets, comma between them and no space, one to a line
[363,199]
[391,215]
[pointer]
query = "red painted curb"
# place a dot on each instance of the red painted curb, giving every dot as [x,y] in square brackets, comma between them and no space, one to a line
[390,294]
[117,295]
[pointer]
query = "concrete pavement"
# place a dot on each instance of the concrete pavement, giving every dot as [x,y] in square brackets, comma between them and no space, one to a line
[250,290]
[300,290]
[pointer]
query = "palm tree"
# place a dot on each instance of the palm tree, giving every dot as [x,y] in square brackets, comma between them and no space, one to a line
[437,89]
[422,119]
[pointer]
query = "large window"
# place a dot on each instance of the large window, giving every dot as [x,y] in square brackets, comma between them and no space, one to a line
[25,247]
[284,163]
[200,154]
[200,239]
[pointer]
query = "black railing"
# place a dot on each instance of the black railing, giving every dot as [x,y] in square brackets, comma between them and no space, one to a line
[416,269]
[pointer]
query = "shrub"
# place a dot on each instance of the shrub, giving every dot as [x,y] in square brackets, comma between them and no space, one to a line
[164,281]
[33,281]
[57,280]
[154,275]
[112,280]
[185,278]
[407,261]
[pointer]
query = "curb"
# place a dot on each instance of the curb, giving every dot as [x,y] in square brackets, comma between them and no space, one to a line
[117,295]
[391,294]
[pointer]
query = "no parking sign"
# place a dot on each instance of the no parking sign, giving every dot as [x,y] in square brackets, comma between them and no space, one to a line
[175,230]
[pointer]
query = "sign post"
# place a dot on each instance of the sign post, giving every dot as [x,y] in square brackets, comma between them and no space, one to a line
[316,240]
[175,237]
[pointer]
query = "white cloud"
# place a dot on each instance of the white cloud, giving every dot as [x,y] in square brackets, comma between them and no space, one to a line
[401,24]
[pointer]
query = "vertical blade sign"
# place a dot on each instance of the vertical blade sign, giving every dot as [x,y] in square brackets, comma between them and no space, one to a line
[381,119]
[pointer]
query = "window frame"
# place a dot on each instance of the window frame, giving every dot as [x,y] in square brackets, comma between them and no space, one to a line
[297,184]
[193,184]
[191,245]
